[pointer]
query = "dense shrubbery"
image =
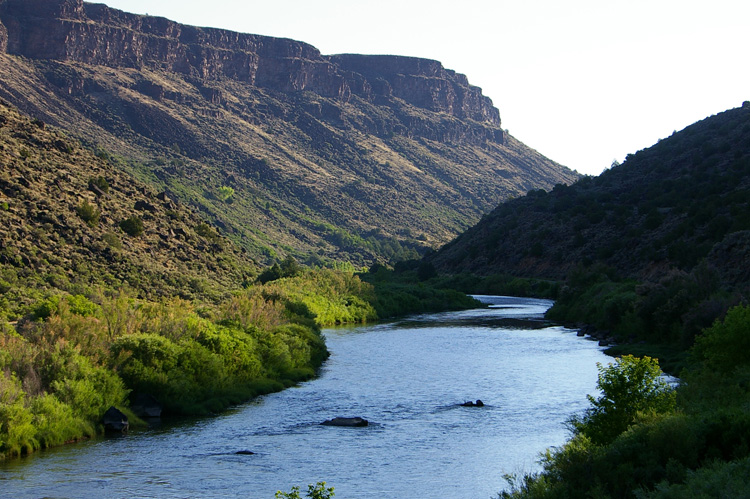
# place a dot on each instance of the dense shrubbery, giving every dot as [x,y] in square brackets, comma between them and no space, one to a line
[401,292]
[72,356]
[132,226]
[631,388]
[698,449]
[669,312]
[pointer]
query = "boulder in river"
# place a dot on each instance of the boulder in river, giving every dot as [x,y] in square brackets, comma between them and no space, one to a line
[478,403]
[356,421]
[115,420]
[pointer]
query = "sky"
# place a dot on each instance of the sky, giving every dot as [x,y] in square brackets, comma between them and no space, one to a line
[584,82]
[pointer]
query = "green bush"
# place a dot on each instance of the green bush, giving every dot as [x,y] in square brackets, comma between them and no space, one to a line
[89,213]
[630,386]
[112,240]
[132,226]
[725,346]
[226,193]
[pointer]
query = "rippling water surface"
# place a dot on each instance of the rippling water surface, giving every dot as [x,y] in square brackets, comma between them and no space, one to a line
[408,378]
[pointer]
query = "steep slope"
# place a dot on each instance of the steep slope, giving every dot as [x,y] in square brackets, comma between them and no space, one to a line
[347,157]
[684,201]
[61,226]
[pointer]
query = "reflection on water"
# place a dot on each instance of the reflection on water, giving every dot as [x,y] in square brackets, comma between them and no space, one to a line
[408,378]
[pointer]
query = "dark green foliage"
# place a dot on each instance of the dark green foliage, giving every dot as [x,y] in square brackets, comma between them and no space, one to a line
[725,346]
[288,268]
[89,213]
[205,230]
[132,226]
[426,271]
[670,311]
[699,450]
[270,274]
[672,206]
[630,387]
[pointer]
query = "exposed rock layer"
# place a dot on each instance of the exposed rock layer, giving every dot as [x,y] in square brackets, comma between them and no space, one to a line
[70,30]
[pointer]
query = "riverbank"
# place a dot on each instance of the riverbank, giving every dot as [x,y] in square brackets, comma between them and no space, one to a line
[698,449]
[407,377]
[72,357]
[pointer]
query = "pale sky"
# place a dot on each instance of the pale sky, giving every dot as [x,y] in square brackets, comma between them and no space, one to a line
[584,82]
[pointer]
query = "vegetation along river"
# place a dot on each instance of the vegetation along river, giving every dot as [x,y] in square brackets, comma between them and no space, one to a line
[407,378]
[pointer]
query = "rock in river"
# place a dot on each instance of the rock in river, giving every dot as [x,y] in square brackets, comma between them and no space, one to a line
[357,421]
[114,420]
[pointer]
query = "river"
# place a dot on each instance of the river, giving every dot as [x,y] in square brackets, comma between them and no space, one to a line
[408,378]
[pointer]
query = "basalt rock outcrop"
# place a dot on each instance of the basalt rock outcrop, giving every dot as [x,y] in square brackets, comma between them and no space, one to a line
[71,30]
[349,157]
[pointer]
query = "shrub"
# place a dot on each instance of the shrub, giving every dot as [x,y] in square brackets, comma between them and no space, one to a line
[89,213]
[132,226]
[112,240]
[630,386]
[725,346]
[226,193]
[205,230]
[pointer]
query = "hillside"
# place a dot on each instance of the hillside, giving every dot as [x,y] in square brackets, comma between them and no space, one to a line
[61,215]
[346,157]
[654,249]
[681,202]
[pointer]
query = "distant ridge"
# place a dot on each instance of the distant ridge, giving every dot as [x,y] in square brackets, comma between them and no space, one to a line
[347,157]
[680,204]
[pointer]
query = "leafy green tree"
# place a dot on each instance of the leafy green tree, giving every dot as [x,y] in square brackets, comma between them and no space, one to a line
[725,346]
[290,267]
[630,386]
[270,274]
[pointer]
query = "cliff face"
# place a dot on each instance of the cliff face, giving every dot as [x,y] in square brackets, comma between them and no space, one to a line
[70,30]
[423,83]
[344,157]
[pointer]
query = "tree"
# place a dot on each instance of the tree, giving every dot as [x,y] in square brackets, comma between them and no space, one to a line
[725,346]
[630,386]
[290,267]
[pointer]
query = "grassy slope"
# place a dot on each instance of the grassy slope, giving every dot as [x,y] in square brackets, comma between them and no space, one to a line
[330,186]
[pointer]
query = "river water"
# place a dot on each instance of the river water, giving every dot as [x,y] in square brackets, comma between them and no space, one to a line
[407,378]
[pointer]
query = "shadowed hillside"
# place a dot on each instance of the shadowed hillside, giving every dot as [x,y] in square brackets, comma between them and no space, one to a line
[672,206]
[654,249]
[347,157]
